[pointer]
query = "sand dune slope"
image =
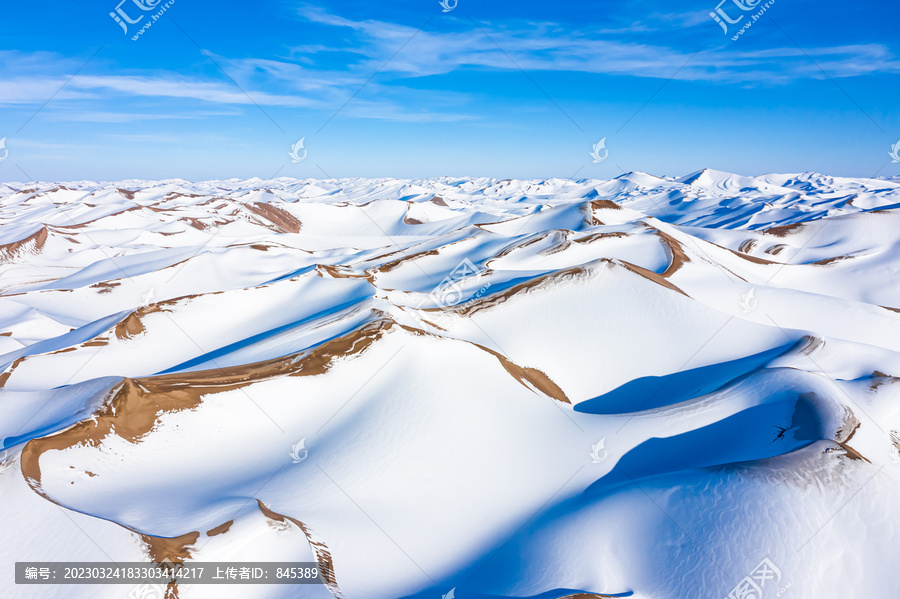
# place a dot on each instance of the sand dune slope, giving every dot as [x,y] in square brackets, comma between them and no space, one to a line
[642,387]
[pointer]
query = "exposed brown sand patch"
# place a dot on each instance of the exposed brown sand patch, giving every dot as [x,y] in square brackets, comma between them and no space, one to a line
[678,257]
[530,378]
[394,264]
[63,351]
[784,230]
[106,286]
[652,276]
[194,222]
[486,226]
[495,299]
[592,237]
[409,220]
[588,596]
[260,247]
[880,379]
[126,193]
[340,272]
[135,405]
[220,529]
[379,259]
[891,309]
[747,246]
[6,334]
[174,549]
[439,201]
[172,195]
[748,257]
[845,433]
[832,260]
[5,376]
[775,249]
[319,549]
[284,221]
[133,324]
[590,209]
[518,245]
[605,205]
[60,228]
[29,245]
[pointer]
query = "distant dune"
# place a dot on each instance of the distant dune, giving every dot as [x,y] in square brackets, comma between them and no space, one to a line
[641,387]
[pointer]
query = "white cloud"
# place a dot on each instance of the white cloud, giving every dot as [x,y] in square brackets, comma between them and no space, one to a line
[549,46]
[221,93]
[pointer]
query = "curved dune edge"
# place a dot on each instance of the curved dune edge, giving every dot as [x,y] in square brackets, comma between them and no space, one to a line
[530,378]
[392,265]
[4,376]
[567,274]
[136,404]
[651,276]
[29,245]
[495,299]
[677,255]
[280,219]
[319,548]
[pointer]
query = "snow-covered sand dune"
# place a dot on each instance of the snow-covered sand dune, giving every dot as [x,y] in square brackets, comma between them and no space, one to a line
[641,387]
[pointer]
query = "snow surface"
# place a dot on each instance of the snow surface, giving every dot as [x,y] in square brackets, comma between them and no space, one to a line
[639,387]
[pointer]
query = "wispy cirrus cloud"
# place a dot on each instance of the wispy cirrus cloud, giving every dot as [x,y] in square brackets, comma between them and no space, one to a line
[262,81]
[553,47]
[220,93]
[322,76]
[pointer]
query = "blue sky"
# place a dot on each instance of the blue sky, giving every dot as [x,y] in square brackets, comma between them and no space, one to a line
[403,89]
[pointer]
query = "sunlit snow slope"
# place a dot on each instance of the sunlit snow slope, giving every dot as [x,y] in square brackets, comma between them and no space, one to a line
[641,387]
